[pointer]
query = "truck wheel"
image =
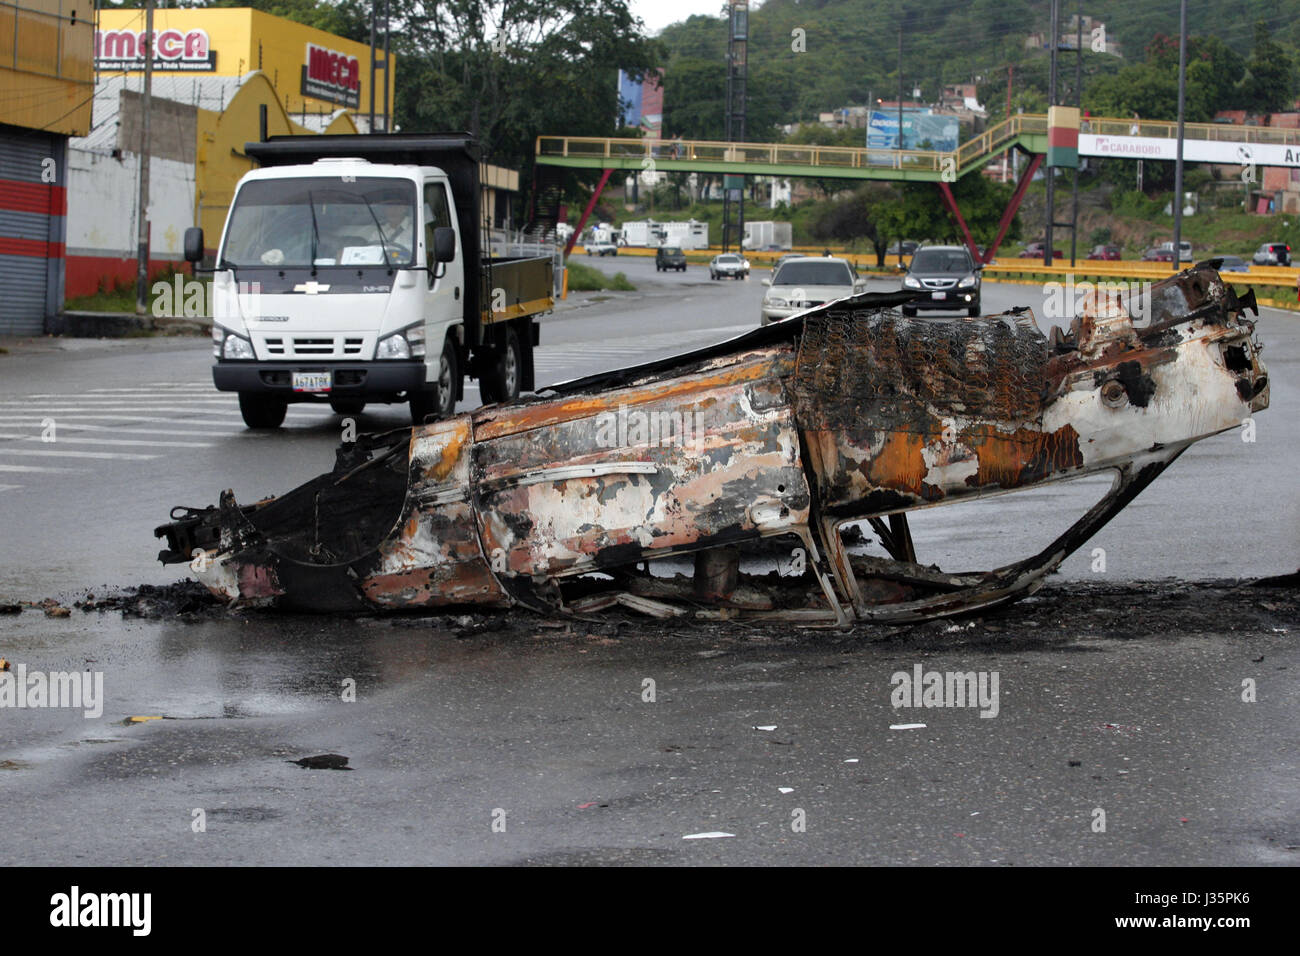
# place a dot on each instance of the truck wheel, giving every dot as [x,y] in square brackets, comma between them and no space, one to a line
[262,411]
[501,383]
[347,406]
[909,310]
[440,400]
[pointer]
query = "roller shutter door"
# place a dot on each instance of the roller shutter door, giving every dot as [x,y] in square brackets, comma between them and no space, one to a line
[31,229]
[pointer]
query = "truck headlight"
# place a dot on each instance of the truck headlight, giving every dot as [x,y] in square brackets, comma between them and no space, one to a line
[393,347]
[235,347]
[911,283]
[415,338]
[967,282]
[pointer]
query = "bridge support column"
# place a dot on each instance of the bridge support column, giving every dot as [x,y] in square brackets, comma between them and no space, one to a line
[950,204]
[1035,161]
[591,204]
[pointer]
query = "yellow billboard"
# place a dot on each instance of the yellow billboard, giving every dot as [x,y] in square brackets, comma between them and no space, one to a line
[311,70]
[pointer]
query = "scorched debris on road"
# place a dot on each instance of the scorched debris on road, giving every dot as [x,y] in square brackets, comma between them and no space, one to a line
[769,444]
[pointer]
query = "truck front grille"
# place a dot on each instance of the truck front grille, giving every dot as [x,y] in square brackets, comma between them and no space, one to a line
[314,346]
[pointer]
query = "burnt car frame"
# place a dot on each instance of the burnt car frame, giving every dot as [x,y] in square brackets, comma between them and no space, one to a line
[667,488]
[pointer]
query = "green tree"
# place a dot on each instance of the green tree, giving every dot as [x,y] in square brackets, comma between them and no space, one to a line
[1150,88]
[917,214]
[695,102]
[920,214]
[1269,84]
[509,72]
[862,214]
[982,203]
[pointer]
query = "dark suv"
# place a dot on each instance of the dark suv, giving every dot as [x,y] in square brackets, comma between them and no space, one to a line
[948,278]
[1273,254]
[669,257]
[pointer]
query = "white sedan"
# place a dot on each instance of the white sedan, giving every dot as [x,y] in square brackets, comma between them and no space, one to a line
[730,265]
[808,281]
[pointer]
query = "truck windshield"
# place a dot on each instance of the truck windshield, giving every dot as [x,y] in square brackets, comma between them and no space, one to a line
[319,221]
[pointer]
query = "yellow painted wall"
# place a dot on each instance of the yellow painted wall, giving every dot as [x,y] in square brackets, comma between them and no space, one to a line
[46,75]
[246,40]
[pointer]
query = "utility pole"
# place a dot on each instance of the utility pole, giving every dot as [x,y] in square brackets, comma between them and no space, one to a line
[1054,34]
[375,64]
[737,97]
[1178,163]
[900,74]
[871,111]
[1006,157]
[142,237]
[1078,104]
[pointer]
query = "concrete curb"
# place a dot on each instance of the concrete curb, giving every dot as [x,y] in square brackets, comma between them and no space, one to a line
[116,325]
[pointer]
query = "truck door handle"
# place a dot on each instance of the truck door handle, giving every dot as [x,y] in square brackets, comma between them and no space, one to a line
[457,293]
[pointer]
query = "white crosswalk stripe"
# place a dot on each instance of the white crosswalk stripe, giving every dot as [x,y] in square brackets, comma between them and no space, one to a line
[36,468]
[63,453]
[150,420]
[128,429]
[63,440]
[138,424]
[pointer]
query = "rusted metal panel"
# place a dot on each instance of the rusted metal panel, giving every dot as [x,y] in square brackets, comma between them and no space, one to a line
[750,455]
[436,558]
[704,465]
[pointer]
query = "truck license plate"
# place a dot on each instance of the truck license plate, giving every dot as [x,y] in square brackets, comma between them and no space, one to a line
[311,381]
[937,295]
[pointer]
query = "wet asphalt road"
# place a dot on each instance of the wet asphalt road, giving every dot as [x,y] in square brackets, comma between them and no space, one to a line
[452,723]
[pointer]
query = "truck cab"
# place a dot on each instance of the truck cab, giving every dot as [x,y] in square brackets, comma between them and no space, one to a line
[355,278]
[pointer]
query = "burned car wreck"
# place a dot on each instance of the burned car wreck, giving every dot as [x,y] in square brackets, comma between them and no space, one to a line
[654,487]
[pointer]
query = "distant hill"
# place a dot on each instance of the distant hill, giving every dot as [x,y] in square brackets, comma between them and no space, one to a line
[851,53]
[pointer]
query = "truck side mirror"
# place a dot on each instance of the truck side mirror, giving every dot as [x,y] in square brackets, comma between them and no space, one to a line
[194,244]
[444,244]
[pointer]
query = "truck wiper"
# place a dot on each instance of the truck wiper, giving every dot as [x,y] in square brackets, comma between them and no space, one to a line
[315,233]
[380,229]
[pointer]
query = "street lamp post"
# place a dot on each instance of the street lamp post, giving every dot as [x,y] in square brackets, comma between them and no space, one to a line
[1178,162]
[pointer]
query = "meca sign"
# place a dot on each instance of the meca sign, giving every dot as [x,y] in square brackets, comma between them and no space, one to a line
[172,50]
[332,76]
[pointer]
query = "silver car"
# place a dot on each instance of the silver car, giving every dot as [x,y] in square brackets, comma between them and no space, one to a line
[805,282]
[729,265]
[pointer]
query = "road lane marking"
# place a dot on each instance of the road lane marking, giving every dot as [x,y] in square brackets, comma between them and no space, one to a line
[147,419]
[109,441]
[42,469]
[52,453]
[129,429]
[92,402]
